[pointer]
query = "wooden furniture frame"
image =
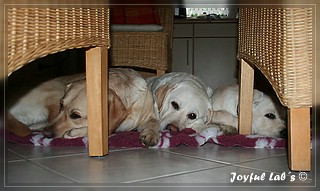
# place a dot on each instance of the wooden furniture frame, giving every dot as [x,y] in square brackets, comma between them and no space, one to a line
[36,32]
[278,41]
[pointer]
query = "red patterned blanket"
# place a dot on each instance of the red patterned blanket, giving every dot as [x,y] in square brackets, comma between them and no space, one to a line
[168,139]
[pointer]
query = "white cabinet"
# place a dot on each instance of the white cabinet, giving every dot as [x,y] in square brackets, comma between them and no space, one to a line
[207,50]
[182,49]
[182,55]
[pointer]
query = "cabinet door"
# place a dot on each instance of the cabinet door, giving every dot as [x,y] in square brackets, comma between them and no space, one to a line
[215,60]
[182,55]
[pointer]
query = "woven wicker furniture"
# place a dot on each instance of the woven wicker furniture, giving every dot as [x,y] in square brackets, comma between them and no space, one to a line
[151,50]
[37,32]
[278,41]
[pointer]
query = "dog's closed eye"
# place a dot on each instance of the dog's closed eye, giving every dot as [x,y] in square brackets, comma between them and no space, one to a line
[175,105]
[270,116]
[75,115]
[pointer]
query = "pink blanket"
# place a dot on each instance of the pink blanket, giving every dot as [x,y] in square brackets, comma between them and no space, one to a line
[168,139]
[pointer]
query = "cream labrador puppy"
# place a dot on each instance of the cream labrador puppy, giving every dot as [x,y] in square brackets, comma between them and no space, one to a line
[40,105]
[59,107]
[181,101]
[267,119]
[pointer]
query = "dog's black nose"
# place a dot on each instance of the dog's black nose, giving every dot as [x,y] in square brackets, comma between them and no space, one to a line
[47,132]
[283,133]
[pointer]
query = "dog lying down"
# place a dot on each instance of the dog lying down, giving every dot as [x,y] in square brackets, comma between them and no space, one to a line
[58,107]
[267,119]
[181,101]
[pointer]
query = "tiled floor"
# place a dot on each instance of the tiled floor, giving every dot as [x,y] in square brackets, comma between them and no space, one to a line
[210,164]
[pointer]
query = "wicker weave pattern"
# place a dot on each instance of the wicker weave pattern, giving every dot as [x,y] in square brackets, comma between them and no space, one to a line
[144,49]
[140,49]
[279,42]
[37,32]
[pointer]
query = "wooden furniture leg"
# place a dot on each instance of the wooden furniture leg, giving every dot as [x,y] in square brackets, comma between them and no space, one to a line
[299,139]
[245,97]
[160,72]
[97,102]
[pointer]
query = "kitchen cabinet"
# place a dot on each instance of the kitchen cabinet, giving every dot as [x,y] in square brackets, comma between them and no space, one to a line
[207,50]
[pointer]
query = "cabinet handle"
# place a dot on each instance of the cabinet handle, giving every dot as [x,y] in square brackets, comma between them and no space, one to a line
[187,52]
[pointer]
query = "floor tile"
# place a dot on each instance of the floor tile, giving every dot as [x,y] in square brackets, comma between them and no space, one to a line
[278,165]
[31,152]
[230,175]
[227,154]
[12,156]
[27,172]
[124,166]
[222,176]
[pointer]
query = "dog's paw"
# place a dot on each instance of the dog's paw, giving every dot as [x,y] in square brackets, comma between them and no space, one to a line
[228,130]
[149,137]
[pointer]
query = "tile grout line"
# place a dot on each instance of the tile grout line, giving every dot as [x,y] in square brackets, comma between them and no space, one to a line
[199,158]
[39,158]
[174,174]
[223,162]
[46,168]
[261,158]
[61,156]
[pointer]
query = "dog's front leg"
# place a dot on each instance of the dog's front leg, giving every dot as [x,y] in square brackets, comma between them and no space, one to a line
[149,132]
[16,127]
[227,122]
[225,118]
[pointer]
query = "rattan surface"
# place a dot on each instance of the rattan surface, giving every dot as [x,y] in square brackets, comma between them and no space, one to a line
[149,50]
[278,41]
[37,32]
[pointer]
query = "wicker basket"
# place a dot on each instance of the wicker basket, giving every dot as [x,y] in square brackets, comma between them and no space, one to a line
[149,50]
[278,41]
[37,32]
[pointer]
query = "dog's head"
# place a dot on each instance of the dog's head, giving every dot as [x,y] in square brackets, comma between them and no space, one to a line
[267,116]
[183,105]
[71,121]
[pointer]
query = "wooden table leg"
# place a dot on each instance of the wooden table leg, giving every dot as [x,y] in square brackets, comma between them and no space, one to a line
[245,97]
[97,102]
[299,139]
[160,72]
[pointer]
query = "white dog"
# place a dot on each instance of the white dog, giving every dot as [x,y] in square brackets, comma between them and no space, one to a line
[182,101]
[267,119]
[58,107]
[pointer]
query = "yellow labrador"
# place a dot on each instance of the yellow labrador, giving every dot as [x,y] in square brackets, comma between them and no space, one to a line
[59,107]
[181,100]
[268,116]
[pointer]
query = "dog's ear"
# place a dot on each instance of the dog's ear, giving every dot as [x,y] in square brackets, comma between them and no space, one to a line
[161,93]
[117,111]
[209,92]
[68,86]
[74,78]
[257,98]
[209,116]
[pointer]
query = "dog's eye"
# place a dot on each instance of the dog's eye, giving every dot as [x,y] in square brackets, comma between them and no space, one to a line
[270,116]
[175,105]
[192,116]
[75,115]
